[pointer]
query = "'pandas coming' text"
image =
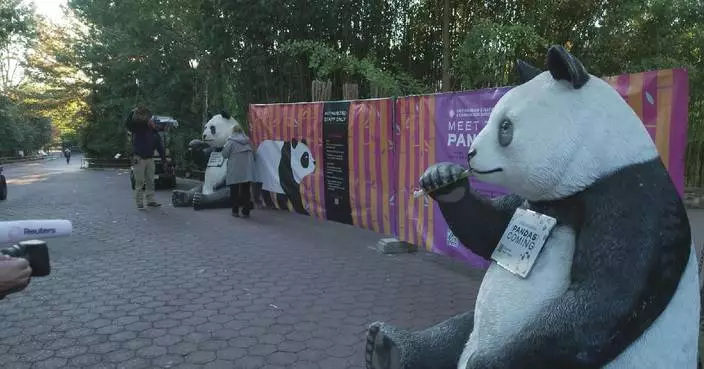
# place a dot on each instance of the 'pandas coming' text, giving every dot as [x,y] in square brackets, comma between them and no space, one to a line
[522,236]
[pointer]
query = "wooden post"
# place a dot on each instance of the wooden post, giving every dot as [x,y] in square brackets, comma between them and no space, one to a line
[350,91]
[378,91]
[321,90]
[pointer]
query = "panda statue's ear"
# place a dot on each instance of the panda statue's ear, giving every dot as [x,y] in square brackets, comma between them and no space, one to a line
[526,72]
[565,66]
[224,114]
[294,143]
[303,141]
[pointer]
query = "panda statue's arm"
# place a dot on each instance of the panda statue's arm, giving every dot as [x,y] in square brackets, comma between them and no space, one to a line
[477,222]
[220,184]
[627,266]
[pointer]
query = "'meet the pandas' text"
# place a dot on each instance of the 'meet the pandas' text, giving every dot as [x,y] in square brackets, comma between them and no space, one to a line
[463,127]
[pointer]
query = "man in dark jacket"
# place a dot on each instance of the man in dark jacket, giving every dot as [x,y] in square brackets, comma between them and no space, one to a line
[145,140]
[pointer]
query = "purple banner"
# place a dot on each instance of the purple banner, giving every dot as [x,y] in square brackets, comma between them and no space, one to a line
[459,117]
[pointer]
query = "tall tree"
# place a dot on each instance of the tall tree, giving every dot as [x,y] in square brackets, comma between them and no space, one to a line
[16,32]
[270,51]
[55,88]
[446,47]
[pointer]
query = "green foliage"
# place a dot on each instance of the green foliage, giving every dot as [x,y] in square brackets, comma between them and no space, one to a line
[489,52]
[55,88]
[325,62]
[270,51]
[611,38]
[16,20]
[21,130]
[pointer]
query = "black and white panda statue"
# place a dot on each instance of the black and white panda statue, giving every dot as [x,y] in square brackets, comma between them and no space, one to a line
[206,152]
[291,161]
[616,283]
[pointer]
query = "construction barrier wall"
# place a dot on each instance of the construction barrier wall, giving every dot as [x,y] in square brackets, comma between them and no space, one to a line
[358,162]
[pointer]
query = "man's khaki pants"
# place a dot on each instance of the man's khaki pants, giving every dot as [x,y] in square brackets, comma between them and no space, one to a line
[143,179]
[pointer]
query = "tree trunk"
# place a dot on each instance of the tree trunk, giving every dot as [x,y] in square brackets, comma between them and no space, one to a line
[446,46]
[205,100]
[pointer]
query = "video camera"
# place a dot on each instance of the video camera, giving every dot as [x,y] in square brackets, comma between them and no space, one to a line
[35,251]
[164,123]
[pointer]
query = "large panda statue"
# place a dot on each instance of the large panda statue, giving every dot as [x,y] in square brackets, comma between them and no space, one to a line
[616,283]
[213,193]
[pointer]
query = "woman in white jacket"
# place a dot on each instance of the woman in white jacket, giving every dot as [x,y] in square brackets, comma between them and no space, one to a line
[240,171]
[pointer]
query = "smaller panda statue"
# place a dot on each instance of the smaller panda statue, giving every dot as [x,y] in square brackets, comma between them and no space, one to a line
[291,161]
[611,283]
[213,193]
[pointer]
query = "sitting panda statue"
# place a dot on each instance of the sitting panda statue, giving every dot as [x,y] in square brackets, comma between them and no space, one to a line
[616,283]
[213,193]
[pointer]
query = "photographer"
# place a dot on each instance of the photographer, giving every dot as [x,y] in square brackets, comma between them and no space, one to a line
[145,140]
[14,274]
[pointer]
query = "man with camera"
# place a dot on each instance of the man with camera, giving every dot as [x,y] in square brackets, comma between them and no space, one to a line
[145,140]
[14,274]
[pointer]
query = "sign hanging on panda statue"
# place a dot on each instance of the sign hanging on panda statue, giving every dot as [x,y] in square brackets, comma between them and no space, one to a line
[522,241]
[216,159]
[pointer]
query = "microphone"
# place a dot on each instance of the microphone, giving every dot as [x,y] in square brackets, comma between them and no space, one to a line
[23,230]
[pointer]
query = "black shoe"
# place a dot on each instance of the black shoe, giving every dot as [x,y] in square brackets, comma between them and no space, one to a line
[153,204]
[236,213]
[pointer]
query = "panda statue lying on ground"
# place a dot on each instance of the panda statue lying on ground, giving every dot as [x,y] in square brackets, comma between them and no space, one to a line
[213,193]
[616,283]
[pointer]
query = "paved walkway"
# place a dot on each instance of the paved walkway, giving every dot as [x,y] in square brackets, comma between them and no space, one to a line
[174,288]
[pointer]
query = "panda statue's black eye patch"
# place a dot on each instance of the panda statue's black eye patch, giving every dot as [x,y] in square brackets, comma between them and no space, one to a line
[505,133]
[305,160]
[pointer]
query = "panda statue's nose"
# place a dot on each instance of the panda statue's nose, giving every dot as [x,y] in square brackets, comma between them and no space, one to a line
[472,153]
[205,136]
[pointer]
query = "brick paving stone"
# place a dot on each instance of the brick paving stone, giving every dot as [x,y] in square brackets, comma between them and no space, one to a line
[174,288]
[85,360]
[53,363]
[231,353]
[134,363]
[200,357]
[220,364]
[167,361]
[17,365]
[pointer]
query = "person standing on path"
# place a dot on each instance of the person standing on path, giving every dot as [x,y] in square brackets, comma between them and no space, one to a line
[145,140]
[67,155]
[240,171]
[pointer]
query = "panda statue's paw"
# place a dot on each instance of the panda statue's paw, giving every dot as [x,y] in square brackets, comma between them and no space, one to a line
[440,181]
[179,198]
[197,201]
[381,352]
